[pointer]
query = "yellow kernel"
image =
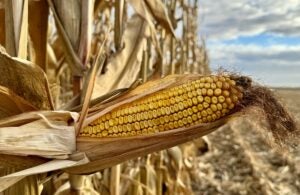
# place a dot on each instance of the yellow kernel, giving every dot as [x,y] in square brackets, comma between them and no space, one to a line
[219,84]
[190,94]
[115,129]
[180,115]
[180,123]
[180,106]
[214,117]
[213,107]
[185,113]
[194,117]
[224,105]
[166,119]
[184,121]
[137,126]
[218,113]
[207,99]
[219,106]
[185,96]
[224,111]
[161,120]
[194,93]
[111,122]
[189,119]
[161,128]
[194,109]
[132,133]
[203,113]
[202,80]
[209,118]
[217,91]
[171,125]
[213,86]
[226,85]
[209,79]
[190,111]
[175,116]
[200,98]
[210,92]
[106,125]
[221,99]
[199,115]
[128,127]
[231,106]
[232,82]
[228,100]
[199,91]
[234,98]
[214,100]
[171,118]
[201,85]
[189,102]
[200,107]
[209,111]
[203,91]
[104,133]
[205,104]
[207,85]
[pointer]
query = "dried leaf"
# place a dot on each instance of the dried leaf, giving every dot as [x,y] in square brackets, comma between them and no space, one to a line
[160,13]
[87,7]
[26,80]
[71,54]
[2,23]
[69,13]
[123,68]
[38,26]
[74,160]
[12,104]
[16,25]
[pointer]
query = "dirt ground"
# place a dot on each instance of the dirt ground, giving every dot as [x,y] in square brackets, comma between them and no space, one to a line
[240,162]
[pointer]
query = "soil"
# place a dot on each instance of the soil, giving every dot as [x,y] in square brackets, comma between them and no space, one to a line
[239,160]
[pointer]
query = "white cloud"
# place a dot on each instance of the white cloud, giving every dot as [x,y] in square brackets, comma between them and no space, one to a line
[276,65]
[225,19]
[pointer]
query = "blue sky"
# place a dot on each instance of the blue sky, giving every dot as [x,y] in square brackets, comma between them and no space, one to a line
[259,38]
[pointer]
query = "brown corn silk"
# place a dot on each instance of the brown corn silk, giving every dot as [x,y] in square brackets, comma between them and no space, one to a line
[200,100]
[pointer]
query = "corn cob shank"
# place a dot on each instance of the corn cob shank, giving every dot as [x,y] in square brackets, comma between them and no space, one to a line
[200,101]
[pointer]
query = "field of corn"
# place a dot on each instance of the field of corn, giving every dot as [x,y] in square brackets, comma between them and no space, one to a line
[117,97]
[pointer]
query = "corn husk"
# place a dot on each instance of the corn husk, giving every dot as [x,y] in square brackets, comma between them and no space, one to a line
[37,137]
[43,140]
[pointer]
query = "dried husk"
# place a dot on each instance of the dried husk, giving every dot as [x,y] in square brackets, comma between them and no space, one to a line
[43,140]
[38,137]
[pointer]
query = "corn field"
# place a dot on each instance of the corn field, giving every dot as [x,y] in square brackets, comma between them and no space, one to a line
[98,97]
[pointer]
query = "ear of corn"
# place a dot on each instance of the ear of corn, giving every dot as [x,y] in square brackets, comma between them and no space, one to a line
[200,101]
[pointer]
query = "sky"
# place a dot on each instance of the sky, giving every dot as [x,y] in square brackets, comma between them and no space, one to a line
[258,38]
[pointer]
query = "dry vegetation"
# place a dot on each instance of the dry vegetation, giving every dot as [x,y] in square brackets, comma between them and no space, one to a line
[78,50]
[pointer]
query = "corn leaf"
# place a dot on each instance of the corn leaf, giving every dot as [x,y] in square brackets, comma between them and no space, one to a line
[160,13]
[26,80]
[12,104]
[124,66]
[38,26]
[16,25]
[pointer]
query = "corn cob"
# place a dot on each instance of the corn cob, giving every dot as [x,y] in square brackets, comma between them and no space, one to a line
[200,101]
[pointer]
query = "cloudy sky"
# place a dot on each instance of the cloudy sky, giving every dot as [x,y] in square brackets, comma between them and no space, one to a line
[260,38]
